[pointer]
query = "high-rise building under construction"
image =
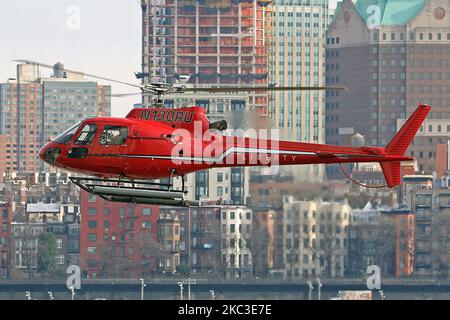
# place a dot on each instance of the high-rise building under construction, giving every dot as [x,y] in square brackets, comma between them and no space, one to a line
[209,42]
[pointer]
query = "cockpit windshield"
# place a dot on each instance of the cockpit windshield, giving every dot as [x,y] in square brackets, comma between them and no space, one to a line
[68,134]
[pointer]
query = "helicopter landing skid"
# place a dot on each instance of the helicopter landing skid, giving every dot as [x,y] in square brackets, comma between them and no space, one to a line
[135,191]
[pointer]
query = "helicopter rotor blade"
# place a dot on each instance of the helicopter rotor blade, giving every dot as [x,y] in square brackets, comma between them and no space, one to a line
[45,65]
[254,89]
[179,90]
[152,91]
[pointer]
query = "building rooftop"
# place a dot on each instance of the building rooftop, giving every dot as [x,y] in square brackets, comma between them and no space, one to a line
[417,177]
[393,12]
[396,211]
[43,207]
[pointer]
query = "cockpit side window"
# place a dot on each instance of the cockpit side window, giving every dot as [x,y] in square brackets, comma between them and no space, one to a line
[86,135]
[67,135]
[113,135]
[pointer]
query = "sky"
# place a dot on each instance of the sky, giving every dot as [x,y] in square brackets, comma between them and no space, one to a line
[94,36]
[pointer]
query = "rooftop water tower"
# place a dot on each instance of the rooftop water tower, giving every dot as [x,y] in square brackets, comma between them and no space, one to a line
[58,70]
[357,140]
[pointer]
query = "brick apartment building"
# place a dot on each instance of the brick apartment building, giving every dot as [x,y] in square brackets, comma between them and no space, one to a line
[31,188]
[169,240]
[40,201]
[117,240]
[403,221]
[5,236]
[214,241]
[34,109]
[381,236]
[390,63]
[431,207]
[200,252]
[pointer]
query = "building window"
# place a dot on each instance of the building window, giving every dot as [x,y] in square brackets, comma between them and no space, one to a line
[92,237]
[60,259]
[91,250]
[92,224]
[92,211]
[59,243]
[146,224]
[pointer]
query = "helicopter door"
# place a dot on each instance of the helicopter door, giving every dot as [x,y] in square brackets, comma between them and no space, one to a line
[113,147]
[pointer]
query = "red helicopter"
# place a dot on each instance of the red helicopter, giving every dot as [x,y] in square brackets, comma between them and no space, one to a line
[123,154]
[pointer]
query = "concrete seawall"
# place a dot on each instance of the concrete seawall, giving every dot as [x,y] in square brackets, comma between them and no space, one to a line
[169,290]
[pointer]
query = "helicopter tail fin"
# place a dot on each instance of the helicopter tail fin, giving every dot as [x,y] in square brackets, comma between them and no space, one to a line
[392,175]
[400,143]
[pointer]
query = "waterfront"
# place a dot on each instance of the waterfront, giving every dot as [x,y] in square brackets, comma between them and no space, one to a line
[169,290]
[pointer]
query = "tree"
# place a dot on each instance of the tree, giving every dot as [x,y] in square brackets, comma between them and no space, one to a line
[183,270]
[328,248]
[260,246]
[372,244]
[107,260]
[25,247]
[46,258]
[149,250]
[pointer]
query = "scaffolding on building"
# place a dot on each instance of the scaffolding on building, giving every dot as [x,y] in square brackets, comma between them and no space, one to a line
[209,42]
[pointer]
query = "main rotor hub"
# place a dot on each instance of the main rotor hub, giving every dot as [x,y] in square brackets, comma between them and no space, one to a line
[158,90]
